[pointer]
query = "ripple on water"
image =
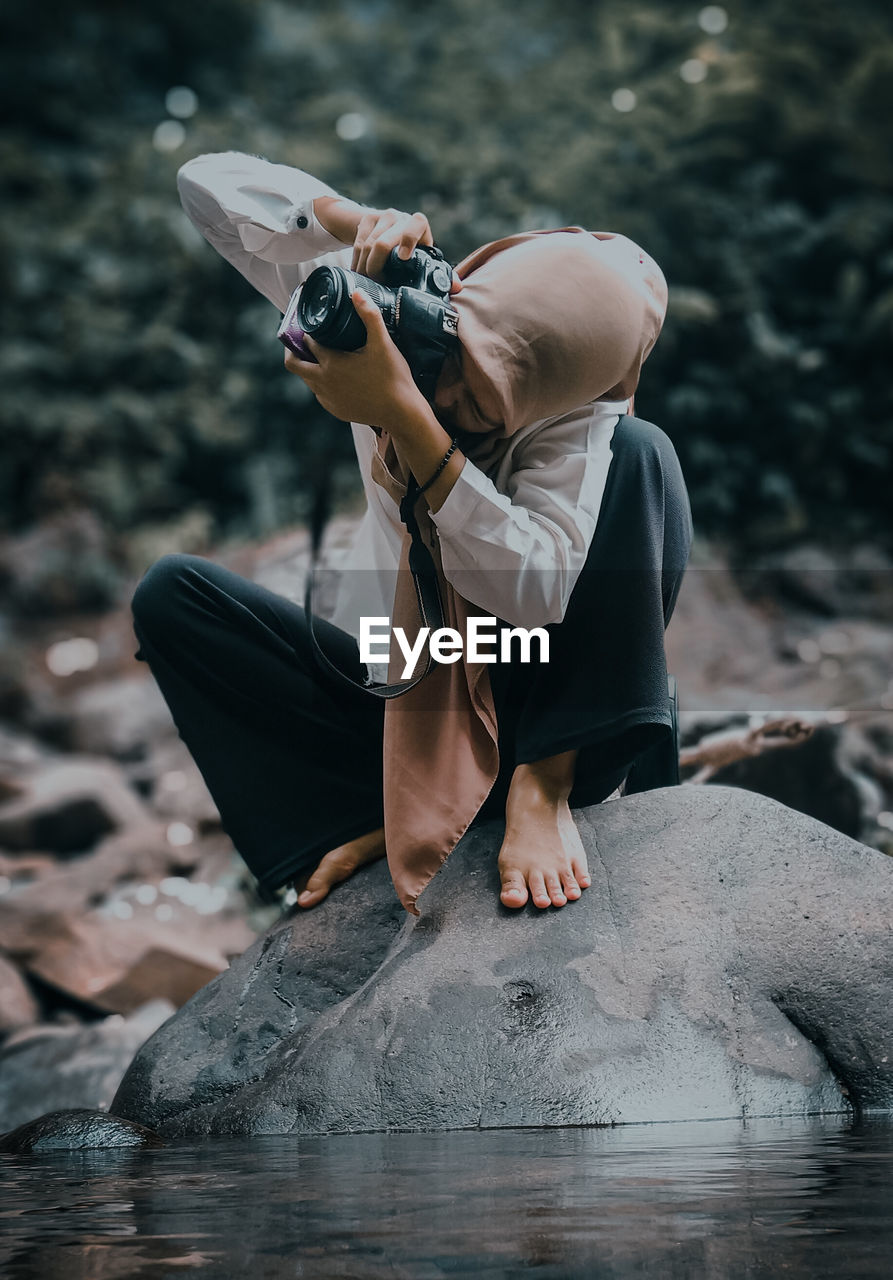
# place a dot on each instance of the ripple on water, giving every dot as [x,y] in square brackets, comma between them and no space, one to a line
[714,1199]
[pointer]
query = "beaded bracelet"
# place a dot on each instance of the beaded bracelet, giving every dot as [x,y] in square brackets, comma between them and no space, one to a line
[454,444]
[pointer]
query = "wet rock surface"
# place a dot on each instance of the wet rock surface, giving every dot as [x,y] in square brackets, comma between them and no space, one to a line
[77,1130]
[731,958]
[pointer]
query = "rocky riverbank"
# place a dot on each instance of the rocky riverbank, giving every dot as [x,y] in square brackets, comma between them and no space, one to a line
[121,896]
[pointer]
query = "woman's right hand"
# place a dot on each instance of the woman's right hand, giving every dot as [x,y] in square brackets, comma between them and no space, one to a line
[382,230]
[375,233]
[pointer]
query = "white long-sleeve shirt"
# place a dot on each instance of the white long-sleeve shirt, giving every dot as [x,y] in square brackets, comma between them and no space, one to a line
[515,529]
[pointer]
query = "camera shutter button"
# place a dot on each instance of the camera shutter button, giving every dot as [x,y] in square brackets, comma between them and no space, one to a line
[302,221]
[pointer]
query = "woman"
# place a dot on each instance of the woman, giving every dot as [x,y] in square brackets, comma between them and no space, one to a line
[555,509]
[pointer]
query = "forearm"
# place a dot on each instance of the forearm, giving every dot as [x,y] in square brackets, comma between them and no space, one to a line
[422,442]
[516,551]
[260,216]
[339,216]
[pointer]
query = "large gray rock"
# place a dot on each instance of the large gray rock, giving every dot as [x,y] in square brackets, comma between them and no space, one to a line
[731,958]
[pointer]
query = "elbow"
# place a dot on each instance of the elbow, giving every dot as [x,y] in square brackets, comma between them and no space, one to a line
[186,185]
[186,174]
[195,191]
[532,589]
[185,170]
[537,602]
[545,585]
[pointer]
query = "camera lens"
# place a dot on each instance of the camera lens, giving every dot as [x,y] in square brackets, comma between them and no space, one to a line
[318,299]
[326,312]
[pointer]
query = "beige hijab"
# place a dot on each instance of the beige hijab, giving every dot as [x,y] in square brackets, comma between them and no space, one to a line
[548,321]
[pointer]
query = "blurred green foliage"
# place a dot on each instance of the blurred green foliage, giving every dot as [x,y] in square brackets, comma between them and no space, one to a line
[141,375]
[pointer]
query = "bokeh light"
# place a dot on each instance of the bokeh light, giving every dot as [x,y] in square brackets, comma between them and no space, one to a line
[693,71]
[713,19]
[352,125]
[180,101]
[68,656]
[623,100]
[180,833]
[169,135]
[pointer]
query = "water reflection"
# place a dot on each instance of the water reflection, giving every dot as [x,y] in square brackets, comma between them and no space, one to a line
[707,1199]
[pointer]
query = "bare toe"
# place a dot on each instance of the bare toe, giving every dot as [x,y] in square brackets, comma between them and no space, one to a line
[581,873]
[514,890]
[310,897]
[538,890]
[572,890]
[554,889]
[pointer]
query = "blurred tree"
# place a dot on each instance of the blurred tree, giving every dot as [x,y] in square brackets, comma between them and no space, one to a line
[748,150]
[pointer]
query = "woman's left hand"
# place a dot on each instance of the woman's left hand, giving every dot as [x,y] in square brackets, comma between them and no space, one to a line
[373,384]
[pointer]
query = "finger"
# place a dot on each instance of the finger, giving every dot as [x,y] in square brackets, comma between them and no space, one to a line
[366,233]
[455,284]
[307,372]
[376,330]
[417,231]
[370,237]
[402,236]
[380,251]
[294,362]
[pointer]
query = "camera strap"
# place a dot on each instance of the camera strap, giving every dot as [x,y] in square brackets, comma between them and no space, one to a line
[424,577]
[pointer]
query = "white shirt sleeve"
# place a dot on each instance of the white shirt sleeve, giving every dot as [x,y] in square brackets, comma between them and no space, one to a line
[259,216]
[516,547]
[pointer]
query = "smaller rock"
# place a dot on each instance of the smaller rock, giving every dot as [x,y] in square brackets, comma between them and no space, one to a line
[18,1008]
[71,1066]
[170,779]
[77,1130]
[118,717]
[19,750]
[65,806]
[855,581]
[156,973]
[117,965]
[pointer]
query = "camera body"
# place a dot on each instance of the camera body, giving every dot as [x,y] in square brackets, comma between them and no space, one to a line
[413,299]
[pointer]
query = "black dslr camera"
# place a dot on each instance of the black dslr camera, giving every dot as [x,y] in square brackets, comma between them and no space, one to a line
[413,300]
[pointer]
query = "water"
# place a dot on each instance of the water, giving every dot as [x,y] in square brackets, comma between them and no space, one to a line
[717,1199]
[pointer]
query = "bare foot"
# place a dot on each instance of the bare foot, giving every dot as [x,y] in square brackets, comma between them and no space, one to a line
[542,848]
[339,864]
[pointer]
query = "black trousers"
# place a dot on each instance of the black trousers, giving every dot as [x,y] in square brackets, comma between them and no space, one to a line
[294,762]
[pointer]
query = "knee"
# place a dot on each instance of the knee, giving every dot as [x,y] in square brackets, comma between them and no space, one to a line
[641,440]
[160,590]
[648,454]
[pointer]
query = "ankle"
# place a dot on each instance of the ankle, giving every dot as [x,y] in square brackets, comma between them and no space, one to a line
[542,793]
[542,783]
